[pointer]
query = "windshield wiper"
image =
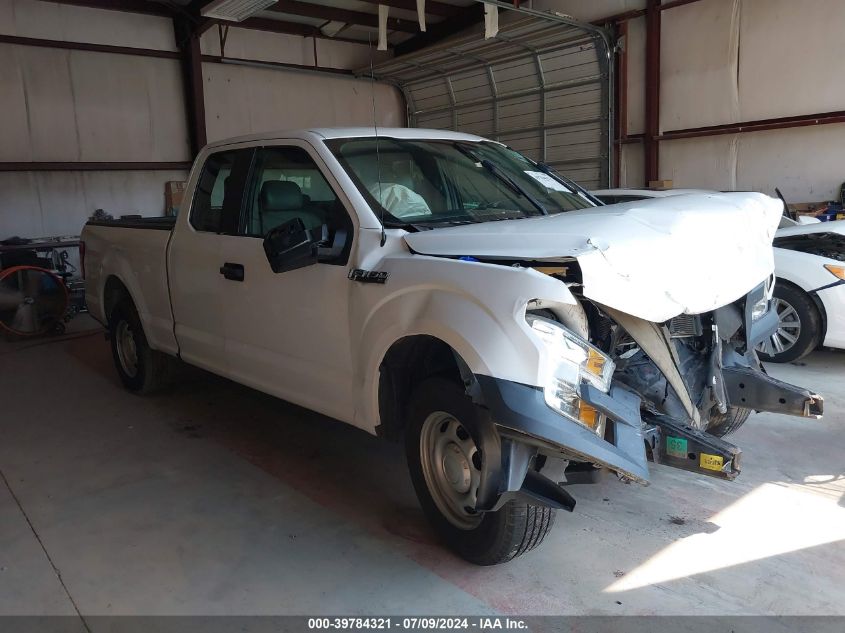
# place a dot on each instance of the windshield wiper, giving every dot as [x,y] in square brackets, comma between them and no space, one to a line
[501,175]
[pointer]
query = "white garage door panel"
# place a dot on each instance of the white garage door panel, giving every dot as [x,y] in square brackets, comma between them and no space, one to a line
[542,86]
[34,204]
[242,100]
[85,106]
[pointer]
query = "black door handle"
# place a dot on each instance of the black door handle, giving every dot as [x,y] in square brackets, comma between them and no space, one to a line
[235,272]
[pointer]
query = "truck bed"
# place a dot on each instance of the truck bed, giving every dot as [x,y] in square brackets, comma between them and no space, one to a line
[133,250]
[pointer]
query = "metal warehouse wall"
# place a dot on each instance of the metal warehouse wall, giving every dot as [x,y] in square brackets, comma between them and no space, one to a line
[730,61]
[245,99]
[68,105]
[65,106]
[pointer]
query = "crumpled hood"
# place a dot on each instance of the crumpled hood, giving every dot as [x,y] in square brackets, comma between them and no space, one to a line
[653,259]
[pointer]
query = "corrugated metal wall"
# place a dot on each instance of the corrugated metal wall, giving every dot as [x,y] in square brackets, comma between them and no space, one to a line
[68,105]
[727,61]
[543,86]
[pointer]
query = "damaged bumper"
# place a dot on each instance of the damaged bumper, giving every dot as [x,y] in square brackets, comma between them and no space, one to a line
[524,419]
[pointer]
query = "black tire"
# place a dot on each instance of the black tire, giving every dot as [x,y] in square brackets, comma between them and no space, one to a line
[499,536]
[809,320]
[722,424]
[152,367]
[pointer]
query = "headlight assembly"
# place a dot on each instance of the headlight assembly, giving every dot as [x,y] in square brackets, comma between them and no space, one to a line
[571,361]
[760,308]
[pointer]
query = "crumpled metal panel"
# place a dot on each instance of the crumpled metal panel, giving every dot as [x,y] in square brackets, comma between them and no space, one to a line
[543,86]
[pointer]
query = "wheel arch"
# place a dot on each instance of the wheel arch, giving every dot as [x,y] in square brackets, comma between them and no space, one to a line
[407,362]
[814,298]
[114,290]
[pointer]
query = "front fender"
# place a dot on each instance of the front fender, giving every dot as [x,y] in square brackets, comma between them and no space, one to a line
[478,309]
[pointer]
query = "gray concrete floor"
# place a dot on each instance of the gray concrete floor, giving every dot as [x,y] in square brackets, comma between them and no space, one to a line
[215,499]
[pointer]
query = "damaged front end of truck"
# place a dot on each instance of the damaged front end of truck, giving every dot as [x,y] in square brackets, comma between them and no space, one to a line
[672,297]
[671,391]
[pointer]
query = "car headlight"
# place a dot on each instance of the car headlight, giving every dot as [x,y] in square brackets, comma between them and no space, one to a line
[836,271]
[759,309]
[570,361]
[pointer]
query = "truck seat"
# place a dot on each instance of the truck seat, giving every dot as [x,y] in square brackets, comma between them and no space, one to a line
[281,201]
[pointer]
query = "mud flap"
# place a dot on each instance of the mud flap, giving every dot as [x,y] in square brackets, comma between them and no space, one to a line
[680,446]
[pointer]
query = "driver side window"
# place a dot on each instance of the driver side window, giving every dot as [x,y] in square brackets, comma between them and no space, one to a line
[288,184]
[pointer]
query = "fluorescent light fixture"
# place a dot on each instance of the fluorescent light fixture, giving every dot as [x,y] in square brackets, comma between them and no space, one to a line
[234,10]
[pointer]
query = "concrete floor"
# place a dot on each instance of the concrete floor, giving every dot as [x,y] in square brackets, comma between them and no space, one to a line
[215,499]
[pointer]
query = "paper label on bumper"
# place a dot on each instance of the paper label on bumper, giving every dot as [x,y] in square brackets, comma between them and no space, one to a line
[676,446]
[711,462]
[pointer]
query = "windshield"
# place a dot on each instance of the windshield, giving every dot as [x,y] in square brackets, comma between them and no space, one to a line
[451,182]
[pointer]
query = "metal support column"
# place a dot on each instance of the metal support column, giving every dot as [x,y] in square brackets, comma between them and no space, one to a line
[188,41]
[652,91]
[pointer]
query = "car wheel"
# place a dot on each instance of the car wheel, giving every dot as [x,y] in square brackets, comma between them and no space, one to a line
[445,445]
[799,326]
[141,369]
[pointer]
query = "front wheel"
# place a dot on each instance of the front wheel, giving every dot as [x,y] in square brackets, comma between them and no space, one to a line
[445,443]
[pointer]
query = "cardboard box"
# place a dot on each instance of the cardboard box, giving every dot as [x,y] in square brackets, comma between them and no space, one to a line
[660,184]
[174,191]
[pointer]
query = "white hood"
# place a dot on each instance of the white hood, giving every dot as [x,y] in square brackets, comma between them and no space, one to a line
[835,226]
[653,259]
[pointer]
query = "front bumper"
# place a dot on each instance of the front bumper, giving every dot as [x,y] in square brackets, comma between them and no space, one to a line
[521,413]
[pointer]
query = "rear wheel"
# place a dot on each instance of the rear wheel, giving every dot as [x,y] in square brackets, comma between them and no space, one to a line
[141,369]
[799,326]
[445,444]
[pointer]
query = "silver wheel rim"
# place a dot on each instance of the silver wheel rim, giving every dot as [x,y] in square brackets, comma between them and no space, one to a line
[127,352]
[451,465]
[789,329]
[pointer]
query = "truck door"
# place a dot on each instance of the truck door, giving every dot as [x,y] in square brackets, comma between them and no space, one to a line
[288,333]
[195,260]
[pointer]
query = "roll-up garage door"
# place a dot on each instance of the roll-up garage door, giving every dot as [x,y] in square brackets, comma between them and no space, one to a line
[542,85]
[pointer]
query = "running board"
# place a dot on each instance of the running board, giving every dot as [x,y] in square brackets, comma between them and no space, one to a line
[680,446]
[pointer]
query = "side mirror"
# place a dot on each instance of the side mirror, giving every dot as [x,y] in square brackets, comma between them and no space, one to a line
[290,246]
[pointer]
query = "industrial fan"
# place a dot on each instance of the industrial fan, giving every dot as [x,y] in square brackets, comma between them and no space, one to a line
[32,300]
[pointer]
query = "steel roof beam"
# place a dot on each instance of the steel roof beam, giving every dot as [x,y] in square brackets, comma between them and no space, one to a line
[358,18]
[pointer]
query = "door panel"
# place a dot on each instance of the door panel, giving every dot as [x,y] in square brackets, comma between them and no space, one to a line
[288,332]
[197,286]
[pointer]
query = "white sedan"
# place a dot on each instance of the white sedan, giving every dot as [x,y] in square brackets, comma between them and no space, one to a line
[809,295]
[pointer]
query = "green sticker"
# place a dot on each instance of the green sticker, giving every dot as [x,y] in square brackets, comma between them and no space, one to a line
[676,446]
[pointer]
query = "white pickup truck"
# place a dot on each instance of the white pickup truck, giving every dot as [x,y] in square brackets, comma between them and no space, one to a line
[444,289]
